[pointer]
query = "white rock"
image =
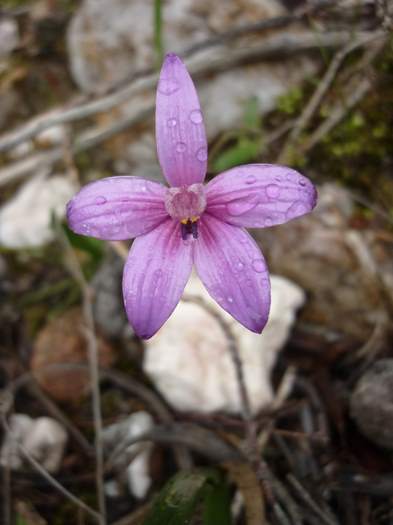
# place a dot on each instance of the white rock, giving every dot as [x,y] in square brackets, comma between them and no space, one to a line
[189,362]
[25,221]
[9,36]
[116,435]
[43,438]
[20,426]
[46,442]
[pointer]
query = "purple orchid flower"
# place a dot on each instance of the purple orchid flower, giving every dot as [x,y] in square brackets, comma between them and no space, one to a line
[190,223]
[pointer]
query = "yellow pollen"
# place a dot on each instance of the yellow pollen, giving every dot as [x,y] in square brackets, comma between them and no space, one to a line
[192,219]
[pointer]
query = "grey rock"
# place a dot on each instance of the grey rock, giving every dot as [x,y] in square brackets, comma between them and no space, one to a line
[108,305]
[372,403]
[339,267]
[109,41]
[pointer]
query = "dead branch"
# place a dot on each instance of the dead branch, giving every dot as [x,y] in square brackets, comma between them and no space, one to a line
[6,401]
[220,58]
[318,95]
[92,346]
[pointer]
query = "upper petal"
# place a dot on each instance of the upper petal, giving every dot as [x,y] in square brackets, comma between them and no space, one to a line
[117,208]
[258,195]
[155,274]
[232,268]
[180,132]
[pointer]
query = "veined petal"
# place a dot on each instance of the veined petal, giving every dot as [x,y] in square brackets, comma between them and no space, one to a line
[155,274]
[232,268]
[117,208]
[260,195]
[180,132]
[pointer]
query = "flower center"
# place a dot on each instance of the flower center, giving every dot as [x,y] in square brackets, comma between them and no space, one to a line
[186,204]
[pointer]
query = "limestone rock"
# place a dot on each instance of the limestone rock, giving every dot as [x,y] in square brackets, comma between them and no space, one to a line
[189,362]
[43,438]
[116,436]
[25,221]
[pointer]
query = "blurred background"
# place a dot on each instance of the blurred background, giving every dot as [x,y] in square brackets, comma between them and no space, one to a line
[100,427]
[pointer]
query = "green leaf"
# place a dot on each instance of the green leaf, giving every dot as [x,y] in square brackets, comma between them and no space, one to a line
[94,247]
[245,150]
[251,117]
[20,520]
[177,501]
[217,508]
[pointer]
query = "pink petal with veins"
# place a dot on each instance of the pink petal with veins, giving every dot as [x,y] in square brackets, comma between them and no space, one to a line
[117,208]
[180,132]
[260,195]
[232,268]
[156,272]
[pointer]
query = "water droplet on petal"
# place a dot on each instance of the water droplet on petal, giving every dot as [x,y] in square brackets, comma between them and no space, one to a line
[302,182]
[100,200]
[278,178]
[298,208]
[181,147]
[240,265]
[291,177]
[250,179]
[171,123]
[167,86]
[230,299]
[258,265]
[86,229]
[196,116]
[272,191]
[201,154]
[268,221]
[241,206]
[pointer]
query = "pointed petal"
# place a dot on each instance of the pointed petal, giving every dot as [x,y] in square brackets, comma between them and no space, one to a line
[117,208]
[260,195]
[232,268]
[180,132]
[156,272]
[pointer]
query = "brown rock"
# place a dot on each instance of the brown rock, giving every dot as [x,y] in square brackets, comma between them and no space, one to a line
[60,343]
[346,271]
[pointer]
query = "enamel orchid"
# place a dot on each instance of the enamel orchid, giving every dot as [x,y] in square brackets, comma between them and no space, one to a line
[190,223]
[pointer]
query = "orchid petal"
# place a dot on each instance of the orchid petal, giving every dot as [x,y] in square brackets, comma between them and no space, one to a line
[260,195]
[180,132]
[232,268]
[155,274]
[117,208]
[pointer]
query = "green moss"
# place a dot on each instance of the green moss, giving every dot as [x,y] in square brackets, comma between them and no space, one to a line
[359,152]
[290,103]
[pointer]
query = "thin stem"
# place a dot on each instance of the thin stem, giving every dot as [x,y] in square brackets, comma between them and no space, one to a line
[158,43]
[50,479]
[256,460]
[92,347]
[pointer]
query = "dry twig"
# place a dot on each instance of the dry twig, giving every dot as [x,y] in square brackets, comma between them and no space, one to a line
[281,45]
[92,346]
[323,86]
[5,402]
